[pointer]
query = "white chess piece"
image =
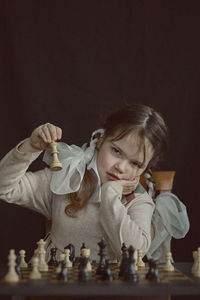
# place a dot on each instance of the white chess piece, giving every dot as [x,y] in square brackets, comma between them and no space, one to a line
[195,264]
[12,275]
[140,262]
[35,273]
[86,253]
[197,267]
[43,267]
[22,254]
[67,260]
[168,266]
[60,260]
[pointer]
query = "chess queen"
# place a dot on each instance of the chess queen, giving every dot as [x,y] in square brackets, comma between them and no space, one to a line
[97,192]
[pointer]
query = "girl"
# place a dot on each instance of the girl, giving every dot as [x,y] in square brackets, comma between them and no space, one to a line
[97,193]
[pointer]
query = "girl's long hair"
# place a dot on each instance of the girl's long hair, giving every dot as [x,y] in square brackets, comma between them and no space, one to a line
[143,120]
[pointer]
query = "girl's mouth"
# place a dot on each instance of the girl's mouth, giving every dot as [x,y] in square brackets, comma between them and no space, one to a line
[112,176]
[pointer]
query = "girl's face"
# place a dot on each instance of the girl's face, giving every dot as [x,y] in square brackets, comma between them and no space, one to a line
[124,159]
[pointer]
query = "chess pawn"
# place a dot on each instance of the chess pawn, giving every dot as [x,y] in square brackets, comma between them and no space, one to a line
[12,275]
[168,266]
[86,253]
[197,267]
[60,260]
[35,273]
[140,262]
[56,164]
[194,266]
[67,260]
[22,254]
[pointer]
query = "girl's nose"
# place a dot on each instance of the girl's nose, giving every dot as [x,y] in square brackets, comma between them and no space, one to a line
[121,167]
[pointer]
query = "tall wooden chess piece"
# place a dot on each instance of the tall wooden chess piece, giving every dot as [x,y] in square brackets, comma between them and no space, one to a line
[56,164]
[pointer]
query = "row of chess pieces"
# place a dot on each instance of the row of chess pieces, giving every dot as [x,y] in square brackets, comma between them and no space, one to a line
[39,264]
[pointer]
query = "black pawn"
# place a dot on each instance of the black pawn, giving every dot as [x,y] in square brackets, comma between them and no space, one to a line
[131,274]
[107,272]
[63,275]
[53,261]
[153,274]
[84,275]
[17,267]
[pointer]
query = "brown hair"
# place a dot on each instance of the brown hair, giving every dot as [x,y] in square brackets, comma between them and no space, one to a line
[136,117]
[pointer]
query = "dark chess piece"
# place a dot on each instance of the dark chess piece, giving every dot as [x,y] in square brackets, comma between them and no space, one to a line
[17,267]
[83,247]
[63,275]
[124,248]
[102,254]
[53,261]
[153,274]
[107,271]
[72,252]
[84,275]
[131,274]
[124,264]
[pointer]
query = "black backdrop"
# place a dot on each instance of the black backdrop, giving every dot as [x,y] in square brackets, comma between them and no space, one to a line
[71,62]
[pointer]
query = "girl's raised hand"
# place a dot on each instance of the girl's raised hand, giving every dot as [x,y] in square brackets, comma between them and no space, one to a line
[129,186]
[43,135]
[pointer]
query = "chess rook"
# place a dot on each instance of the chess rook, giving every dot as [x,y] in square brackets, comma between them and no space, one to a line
[56,164]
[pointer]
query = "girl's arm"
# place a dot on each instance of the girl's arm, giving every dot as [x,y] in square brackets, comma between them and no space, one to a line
[130,224]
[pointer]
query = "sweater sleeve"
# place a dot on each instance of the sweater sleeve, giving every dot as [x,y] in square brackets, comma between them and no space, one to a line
[22,187]
[129,223]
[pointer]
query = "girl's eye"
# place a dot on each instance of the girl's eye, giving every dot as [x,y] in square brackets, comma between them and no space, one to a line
[135,164]
[115,150]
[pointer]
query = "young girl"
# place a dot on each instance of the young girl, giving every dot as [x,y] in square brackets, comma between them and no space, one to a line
[97,193]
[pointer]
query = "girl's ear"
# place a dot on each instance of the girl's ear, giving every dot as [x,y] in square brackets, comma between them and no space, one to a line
[99,142]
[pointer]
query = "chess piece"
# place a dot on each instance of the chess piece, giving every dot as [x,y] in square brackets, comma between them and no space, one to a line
[84,275]
[140,262]
[43,267]
[23,264]
[196,271]
[107,272]
[56,164]
[60,260]
[12,275]
[63,275]
[72,252]
[17,267]
[123,264]
[102,254]
[86,253]
[131,274]
[35,273]
[195,264]
[168,266]
[53,261]
[67,258]
[153,274]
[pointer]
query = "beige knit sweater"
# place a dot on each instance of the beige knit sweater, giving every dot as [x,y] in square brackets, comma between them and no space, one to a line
[109,217]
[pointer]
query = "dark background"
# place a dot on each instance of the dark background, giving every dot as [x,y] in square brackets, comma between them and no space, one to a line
[72,62]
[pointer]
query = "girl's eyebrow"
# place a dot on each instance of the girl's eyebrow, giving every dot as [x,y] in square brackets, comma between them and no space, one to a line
[124,154]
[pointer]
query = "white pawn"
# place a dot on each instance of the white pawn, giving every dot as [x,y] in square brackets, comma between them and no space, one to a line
[35,273]
[140,262]
[86,253]
[197,268]
[168,266]
[67,260]
[22,254]
[60,260]
[195,264]
[135,256]
[12,275]
[43,266]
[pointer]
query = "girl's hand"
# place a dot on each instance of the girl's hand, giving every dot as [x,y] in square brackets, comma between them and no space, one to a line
[43,135]
[129,186]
